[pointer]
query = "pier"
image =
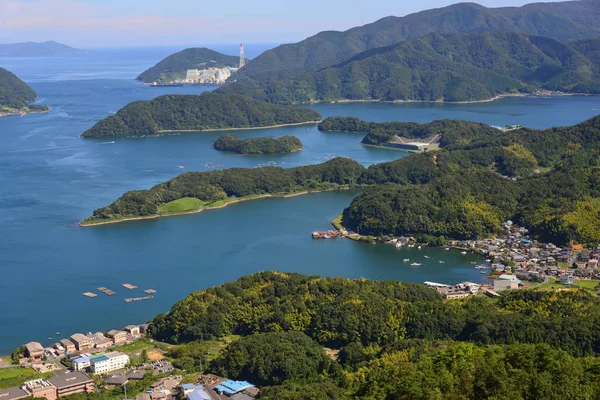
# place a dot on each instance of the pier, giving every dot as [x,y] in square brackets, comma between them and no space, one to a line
[326,234]
[106,291]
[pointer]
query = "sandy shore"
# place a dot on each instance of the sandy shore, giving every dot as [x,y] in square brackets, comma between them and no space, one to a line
[81,224]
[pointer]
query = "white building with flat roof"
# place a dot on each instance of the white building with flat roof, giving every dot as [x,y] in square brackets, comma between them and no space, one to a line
[109,362]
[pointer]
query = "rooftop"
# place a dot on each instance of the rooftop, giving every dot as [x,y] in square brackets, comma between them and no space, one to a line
[231,387]
[34,347]
[13,393]
[70,379]
[78,337]
[199,395]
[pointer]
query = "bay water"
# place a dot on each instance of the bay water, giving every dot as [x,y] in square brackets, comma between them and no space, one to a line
[50,180]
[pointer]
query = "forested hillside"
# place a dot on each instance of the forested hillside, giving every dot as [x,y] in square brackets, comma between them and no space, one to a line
[395,340]
[14,93]
[228,185]
[562,21]
[282,145]
[197,113]
[547,181]
[174,66]
[450,67]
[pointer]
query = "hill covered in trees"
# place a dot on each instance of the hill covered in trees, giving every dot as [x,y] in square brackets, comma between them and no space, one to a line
[174,66]
[267,145]
[219,187]
[33,49]
[564,21]
[545,180]
[395,340]
[445,67]
[197,113]
[15,95]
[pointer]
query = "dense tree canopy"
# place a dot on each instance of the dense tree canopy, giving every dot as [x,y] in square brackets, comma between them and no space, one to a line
[197,113]
[444,67]
[267,145]
[14,93]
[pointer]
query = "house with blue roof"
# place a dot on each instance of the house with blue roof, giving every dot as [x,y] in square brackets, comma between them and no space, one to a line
[81,363]
[230,387]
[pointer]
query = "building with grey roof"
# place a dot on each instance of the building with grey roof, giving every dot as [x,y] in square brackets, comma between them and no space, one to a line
[13,393]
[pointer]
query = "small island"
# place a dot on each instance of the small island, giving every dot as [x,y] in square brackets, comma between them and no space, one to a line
[266,145]
[16,96]
[192,113]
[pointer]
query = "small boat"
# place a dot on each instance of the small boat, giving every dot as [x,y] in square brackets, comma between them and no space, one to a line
[488,260]
[180,166]
[447,248]
[57,333]
[482,267]
[419,247]
[415,264]
[406,260]
[463,252]
[50,338]
[483,272]
[442,262]
[426,256]
[473,262]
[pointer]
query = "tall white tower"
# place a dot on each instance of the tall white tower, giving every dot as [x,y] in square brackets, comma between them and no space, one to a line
[242,58]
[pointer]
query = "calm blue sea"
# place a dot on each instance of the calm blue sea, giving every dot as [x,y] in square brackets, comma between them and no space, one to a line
[50,179]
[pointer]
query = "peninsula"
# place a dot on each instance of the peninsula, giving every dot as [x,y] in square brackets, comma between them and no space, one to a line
[16,96]
[267,145]
[200,66]
[35,49]
[195,191]
[545,181]
[208,111]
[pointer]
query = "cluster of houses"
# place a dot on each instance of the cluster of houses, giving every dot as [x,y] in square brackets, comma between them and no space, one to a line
[517,257]
[210,387]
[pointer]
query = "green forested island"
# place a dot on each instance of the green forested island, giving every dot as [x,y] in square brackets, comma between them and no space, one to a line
[563,21]
[174,66]
[208,111]
[267,145]
[194,191]
[545,180]
[391,340]
[15,95]
[445,67]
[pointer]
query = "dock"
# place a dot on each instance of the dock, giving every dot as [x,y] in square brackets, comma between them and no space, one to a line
[150,291]
[325,234]
[90,294]
[129,286]
[106,291]
[130,299]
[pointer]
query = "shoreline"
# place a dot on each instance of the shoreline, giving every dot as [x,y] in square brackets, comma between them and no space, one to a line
[23,113]
[492,99]
[263,196]
[240,129]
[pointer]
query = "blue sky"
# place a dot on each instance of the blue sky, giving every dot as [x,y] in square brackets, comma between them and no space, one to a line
[117,23]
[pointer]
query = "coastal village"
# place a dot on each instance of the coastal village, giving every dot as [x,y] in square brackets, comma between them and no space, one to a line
[513,260]
[88,363]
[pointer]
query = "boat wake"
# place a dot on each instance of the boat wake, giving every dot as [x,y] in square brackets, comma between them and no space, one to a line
[113,142]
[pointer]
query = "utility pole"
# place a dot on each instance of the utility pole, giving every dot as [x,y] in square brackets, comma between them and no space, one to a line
[242,58]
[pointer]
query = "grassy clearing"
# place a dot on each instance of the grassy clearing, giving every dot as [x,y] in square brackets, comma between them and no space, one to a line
[216,346]
[337,222]
[135,346]
[590,285]
[185,204]
[554,284]
[15,376]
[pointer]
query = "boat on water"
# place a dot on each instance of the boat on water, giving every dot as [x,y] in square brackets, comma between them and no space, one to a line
[416,264]
[473,262]
[463,252]
[426,256]
[406,260]
[180,166]
[488,260]
[442,262]
[447,248]
[57,333]
[483,272]
[482,267]
[419,247]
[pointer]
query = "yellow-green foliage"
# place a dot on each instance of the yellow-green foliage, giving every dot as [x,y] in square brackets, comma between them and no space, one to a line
[522,152]
[185,204]
[585,220]
[16,376]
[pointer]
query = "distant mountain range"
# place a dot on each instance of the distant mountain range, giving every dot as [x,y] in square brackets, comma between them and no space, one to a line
[563,21]
[33,49]
[175,66]
[451,67]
